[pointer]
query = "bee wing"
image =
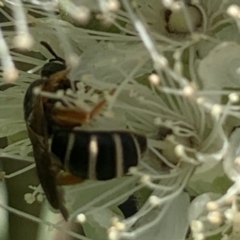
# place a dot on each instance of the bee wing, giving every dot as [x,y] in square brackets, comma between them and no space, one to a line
[46,174]
[37,131]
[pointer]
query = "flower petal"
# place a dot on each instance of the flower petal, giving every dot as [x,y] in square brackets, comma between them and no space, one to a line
[218,69]
[176,216]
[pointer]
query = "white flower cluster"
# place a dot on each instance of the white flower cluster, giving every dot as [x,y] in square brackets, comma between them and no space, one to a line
[175,65]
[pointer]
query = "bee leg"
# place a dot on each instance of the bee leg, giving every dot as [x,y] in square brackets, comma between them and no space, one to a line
[55,78]
[73,118]
[69,117]
[97,109]
[66,178]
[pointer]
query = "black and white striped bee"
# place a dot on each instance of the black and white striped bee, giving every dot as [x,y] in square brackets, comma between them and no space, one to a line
[98,155]
[65,154]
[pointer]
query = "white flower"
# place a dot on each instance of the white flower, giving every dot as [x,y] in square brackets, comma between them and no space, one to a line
[169,86]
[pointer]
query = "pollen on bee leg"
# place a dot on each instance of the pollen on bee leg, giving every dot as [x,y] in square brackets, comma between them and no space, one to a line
[81,218]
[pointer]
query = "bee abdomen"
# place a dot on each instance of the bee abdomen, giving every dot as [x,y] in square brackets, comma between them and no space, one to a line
[100,155]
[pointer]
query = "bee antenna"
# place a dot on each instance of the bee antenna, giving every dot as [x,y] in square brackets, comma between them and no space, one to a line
[48,47]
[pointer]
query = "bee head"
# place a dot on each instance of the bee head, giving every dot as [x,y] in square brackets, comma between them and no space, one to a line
[54,65]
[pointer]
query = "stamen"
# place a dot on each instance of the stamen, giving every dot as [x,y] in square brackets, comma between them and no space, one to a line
[233,11]
[233,97]
[24,39]
[154,79]
[40,197]
[154,201]
[81,14]
[10,73]
[197,226]
[189,91]
[81,218]
[113,233]
[113,5]
[120,226]
[29,198]
[145,179]
[23,170]
[41,221]
[212,206]
[179,150]
[216,110]
[215,217]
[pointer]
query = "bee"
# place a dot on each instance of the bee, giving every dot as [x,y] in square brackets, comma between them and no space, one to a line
[65,154]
